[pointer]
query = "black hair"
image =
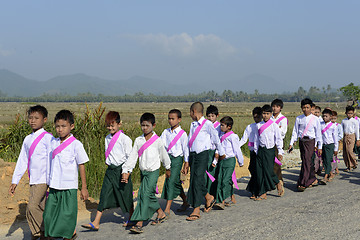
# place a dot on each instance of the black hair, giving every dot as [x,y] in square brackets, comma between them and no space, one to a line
[112,116]
[307,101]
[257,111]
[228,121]
[177,111]
[212,109]
[40,109]
[277,102]
[198,106]
[312,105]
[317,107]
[349,108]
[64,115]
[266,108]
[327,111]
[149,117]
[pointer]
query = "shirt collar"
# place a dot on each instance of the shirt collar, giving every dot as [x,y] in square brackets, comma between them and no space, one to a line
[38,132]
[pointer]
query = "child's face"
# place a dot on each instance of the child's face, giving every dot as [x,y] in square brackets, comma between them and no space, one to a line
[317,112]
[349,114]
[266,116]
[312,110]
[113,127]
[257,118]
[326,117]
[333,119]
[276,109]
[147,127]
[224,127]
[63,128]
[173,119]
[36,121]
[307,110]
[212,117]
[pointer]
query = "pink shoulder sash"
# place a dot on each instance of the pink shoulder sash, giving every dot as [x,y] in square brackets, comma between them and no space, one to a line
[265,126]
[356,117]
[112,143]
[251,144]
[62,146]
[216,124]
[307,126]
[326,128]
[32,148]
[281,118]
[197,130]
[176,138]
[147,144]
[225,136]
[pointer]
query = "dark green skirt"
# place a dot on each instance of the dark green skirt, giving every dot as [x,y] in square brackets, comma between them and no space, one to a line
[327,156]
[252,185]
[265,177]
[211,186]
[60,214]
[224,179]
[147,203]
[172,186]
[114,193]
[197,189]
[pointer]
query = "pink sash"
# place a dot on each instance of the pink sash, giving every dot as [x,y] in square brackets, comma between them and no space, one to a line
[356,117]
[326,128]
[279,120]
[197,130]
[251,144]
[176,138]
[277,161]
[307,126]
[147,144]
[216,124]
[62,146]
[32,148]
[225,136]
[265,126]
[233,177]
[112,143]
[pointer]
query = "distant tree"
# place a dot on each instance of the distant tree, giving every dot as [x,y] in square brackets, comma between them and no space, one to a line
[352,92]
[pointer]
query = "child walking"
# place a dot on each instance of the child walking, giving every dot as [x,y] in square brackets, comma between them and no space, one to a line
[150,150]
[176,144]
[114,193]
[307,128]
[68,157]
[340,133]
[34,156]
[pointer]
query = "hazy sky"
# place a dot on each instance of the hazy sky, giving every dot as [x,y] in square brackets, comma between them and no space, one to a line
[314,42]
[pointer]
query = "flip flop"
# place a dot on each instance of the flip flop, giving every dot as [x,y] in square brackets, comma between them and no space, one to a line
[230,203]
[193,217]
[183,208]
[159,220]
[260,198]
[301,188]
[136,229]
[167,215]
[74,237]
[91,227]
[219,206]
[322,182]
[129,224]
[208,208]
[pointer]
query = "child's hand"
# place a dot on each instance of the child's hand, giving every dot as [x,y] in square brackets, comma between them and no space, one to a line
[125,177]
[280,157]
[320,152]
[213,165]
[185,169]
[222,157]
[84,194]
[168,173]
[335,153]
[358,143]
[12,189]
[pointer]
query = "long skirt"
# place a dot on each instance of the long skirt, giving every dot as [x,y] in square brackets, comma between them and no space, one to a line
[252,185]
[349,155]
[60,213]
[224,179]
[147,203]
[265,177]
[172,186]
[327,156]
[197,189]
[211,186]
[114,193]
[307,172]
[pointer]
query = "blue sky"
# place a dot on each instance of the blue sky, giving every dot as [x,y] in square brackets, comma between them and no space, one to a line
[302,42]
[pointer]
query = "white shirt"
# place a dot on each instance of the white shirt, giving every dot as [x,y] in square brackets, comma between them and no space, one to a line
[207,136]
[351,126]
[330,135]
[121,150]
[339,131]
[314,130]
[151,157]
[181,148]
[64,167]
[39,162]
[249,133]
[231,146]
[270,137]
[218,129]
[283,124]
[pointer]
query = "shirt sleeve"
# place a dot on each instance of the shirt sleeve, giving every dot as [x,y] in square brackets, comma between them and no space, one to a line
[164,156]
[185,146]
[49,158]
[340,132]
[215,139]
[21,165]
[256,140]
[295,132]
[336,140]
[132,159]
[278,140]
[235,142]
[284,126]
[81,155]
[127,146]
[318,135]
[245,136]
[357,131]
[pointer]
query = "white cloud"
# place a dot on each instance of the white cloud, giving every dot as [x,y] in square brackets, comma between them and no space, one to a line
[184,45]
[4,52]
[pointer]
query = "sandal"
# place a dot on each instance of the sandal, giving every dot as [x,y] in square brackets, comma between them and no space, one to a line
[228,204]
[208,208]
[74,237]
[129,223]
[91,227]
[260,198]
[314,184]
[219,206]
[301,188]
[167,215]
[137,229]
[183,208]
[158,220]
[323,182]
[347,170]
[193,217]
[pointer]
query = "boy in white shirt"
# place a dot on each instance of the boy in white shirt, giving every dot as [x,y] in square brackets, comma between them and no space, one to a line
[176,144]
[67,159]
[34,156]
[340,134]
[114,193]
[150,150]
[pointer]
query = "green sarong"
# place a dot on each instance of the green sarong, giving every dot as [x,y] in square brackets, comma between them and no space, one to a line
[265,177]
[224,179]
[252,185]
[172,186]
[197,189]
[60,214]
[327,156]
[147,203]
[211,186]
[114,193]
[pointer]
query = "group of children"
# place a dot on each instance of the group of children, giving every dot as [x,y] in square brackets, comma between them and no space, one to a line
[210,151]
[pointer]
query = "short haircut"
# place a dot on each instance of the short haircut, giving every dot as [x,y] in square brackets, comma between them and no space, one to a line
[277,102]
[306,101]
[228,121]
[318,108]
[334,113]
[148,117]
[266,108]
[257,111]
[64,115]
[176,111]
[111,117]
[327,111]
[198,106]
[38,108]
[212,109]
[349,108]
